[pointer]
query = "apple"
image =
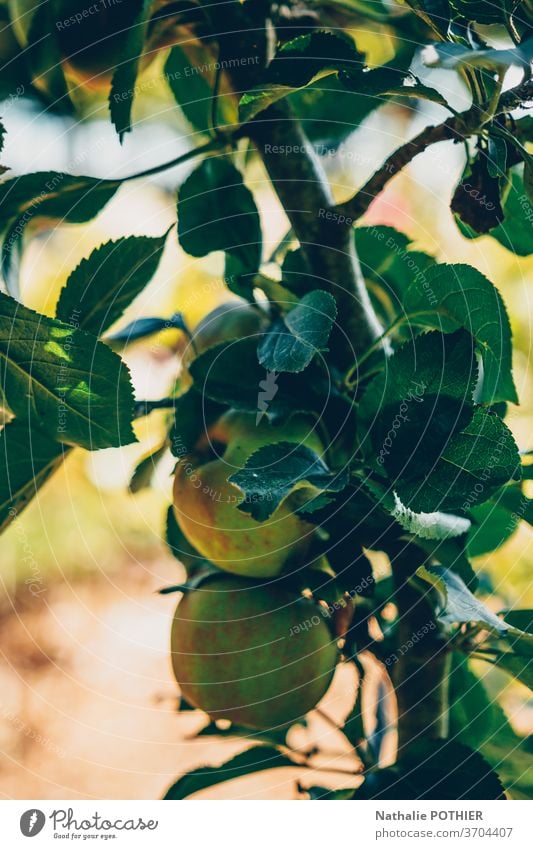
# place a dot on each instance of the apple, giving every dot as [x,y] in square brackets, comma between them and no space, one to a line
[253,654]
[205,503]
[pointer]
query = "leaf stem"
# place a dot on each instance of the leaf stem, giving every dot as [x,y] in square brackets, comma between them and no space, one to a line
[212,144]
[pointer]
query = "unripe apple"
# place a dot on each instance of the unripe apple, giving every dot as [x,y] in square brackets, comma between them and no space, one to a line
[254,654]
[205,503]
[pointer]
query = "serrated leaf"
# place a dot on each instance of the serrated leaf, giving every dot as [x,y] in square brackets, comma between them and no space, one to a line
[273,471]
[50,195]
[472,466]
[28,457]
[125,76]
[63,380]
[408,413]
[217,212]
[452,296]
[291,345]
[256,759]
[436,526]
[102,286]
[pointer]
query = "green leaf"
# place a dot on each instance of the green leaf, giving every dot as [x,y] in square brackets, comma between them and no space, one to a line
[181,547]
[50,195]
[102,286]
[273,471]
[480,11]
[409,412]
[256,759]
[28,457]
[43,55]
[495,521]
[447,297]
[459,605]
[193,413]
[145,468]
[141,328]
[479,721]
[389,263]
[187,74]
[521,619]
[127,68]
[298,63]
[434,769]
[472,466]
[63,379]
[325,794]
[217,212]
[290,345]
[256,390]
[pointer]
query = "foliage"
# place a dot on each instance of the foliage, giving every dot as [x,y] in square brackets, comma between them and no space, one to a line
[402,364]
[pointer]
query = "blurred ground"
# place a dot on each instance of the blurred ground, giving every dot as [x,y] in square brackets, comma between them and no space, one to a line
[88,703]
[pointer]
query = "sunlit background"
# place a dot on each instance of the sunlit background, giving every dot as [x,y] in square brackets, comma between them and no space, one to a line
[87,701]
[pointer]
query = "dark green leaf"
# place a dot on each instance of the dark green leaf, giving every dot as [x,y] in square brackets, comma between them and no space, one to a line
[28,457]
[296,64]
[272,472]
[316,793]
[145,469]
[389,262]
[253,760]
[514,233]
[190,76]
[43,55]
[50,195]
[476,199]
[472,466]
[217,212]
[256,390]
[102,286]
[409,412]
[451,296]
[521,619]
[125,76]
[193,413]
[434,769]
[181,547]
[291,345]
[63,380]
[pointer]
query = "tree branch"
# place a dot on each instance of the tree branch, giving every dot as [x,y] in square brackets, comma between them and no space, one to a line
[328,245]
[456,128]
[453,128]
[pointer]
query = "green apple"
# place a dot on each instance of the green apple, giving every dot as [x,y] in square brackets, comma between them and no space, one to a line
[254,654]
[205,503]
